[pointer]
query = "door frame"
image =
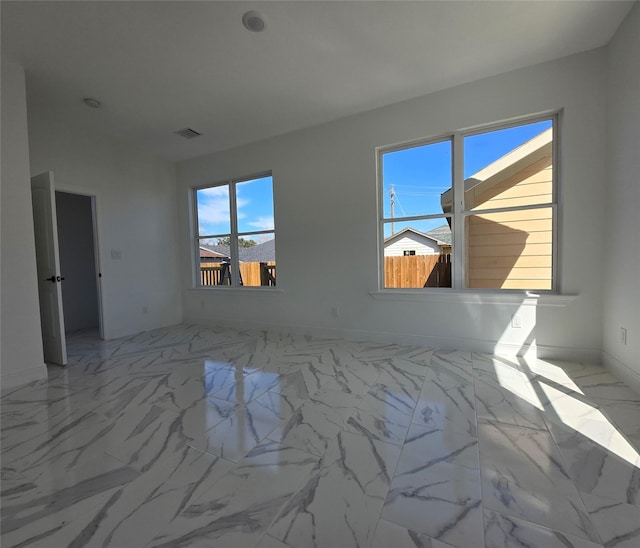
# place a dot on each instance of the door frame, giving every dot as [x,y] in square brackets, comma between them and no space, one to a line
[95,218]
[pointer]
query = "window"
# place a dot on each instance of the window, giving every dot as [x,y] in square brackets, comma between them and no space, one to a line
[478,208]
[409,252]
[235,233]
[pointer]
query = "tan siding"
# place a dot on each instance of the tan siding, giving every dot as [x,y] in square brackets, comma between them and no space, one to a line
[513,249]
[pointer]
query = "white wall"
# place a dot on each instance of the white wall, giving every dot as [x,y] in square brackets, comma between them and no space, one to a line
[622,183]
[77,261]
[136,214]
[325,193]
[21,354]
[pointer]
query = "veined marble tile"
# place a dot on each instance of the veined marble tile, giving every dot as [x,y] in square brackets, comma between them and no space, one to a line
[131,431]
[277,404]
[32,443]
[300,382]
[436,446]
[317,422]
[352,381]
[442,501]
[517,494]
[531,452]
[510,399]
[447,403]
[270,542]
[401,372]
[507,532]
[390,535]
[601,463]
[625,416]
[234,437]
[493,365]
[340,503]
[245,388]
[244,502]
[456,362]
[157,496]
[417,354]
[60,517]
[618,523]
[383,414]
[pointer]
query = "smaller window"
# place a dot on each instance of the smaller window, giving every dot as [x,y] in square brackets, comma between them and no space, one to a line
[409,252]
[235,233]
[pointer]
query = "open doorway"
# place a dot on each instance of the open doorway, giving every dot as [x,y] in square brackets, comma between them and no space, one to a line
[77,241]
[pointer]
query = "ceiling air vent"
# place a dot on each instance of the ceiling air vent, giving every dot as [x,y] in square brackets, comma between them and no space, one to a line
[188,133]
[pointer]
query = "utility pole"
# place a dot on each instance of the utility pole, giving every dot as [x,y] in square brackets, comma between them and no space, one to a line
[392,195]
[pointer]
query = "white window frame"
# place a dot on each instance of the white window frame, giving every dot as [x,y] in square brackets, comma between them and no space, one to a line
[233,236]
[459,214]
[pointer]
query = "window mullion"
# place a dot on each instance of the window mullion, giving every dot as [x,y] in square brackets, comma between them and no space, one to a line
[458,239]
[233,240]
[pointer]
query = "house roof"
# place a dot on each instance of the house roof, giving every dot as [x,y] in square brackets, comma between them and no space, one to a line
[260,253]
[177,63]
[442,234]
[206,252]
[530,152]
[404,231]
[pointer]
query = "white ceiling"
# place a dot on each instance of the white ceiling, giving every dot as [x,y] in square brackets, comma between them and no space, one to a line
[162,66]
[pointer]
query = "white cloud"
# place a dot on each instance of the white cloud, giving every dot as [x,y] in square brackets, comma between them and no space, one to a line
[262,223]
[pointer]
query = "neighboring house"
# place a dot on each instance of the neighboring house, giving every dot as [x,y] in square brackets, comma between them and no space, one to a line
[260,253]
[443,235]
[511,250]
[208,255]
[411,242]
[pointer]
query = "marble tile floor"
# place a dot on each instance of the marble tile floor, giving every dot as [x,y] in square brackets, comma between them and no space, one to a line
[199,437]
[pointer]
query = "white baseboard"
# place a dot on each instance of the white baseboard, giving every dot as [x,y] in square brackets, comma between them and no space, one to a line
[443,343]
[622,371]
[17,378]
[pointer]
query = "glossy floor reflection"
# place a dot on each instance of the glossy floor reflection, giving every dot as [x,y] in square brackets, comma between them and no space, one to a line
[200,437]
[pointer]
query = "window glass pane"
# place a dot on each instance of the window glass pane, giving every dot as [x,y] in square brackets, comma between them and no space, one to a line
[254,201]
[212,259]
[416,179]
[417,254]
[257,255]
[510,250]
[213,210]
[509,167]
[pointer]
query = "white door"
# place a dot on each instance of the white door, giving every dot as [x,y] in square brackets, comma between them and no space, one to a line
[48,261]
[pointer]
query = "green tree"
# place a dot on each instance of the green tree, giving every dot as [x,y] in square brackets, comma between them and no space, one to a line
[242,242]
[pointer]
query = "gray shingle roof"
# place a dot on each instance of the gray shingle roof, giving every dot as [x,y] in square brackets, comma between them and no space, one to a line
[442,233]
[259,253]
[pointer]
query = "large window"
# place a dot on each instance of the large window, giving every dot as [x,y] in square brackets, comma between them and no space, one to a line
[478,208]
[235,233]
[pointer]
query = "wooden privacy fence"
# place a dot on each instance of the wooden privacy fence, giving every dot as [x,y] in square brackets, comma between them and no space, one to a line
[417,271]
[253,274]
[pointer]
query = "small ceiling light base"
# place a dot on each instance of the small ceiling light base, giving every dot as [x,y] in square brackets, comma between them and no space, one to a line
[92,103]
[253,21]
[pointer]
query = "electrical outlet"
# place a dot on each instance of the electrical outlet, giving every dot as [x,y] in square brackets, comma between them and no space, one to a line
[116,254]
[516,321]
[623,336]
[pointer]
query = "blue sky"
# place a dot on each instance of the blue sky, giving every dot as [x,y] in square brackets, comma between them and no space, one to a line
[419,175]
[254,199]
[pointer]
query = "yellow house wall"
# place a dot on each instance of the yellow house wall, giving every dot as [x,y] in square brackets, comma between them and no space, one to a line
[512,250]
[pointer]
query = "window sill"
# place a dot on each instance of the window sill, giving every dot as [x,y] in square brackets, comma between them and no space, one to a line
[236,290]
[524,298]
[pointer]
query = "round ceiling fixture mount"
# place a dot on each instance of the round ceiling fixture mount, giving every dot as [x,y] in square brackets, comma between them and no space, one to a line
[253,21]
[91,102]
